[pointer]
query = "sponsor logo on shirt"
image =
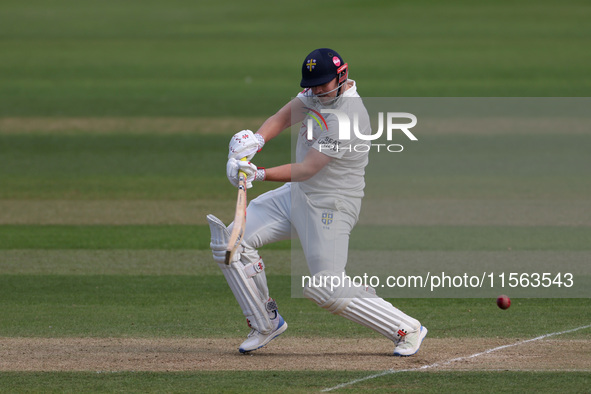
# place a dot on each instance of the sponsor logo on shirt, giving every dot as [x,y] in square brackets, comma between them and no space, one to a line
[327,143]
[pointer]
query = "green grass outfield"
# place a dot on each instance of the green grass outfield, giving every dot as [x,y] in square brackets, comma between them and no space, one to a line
[158,281]
[102,200]
[223,381]
[187,58]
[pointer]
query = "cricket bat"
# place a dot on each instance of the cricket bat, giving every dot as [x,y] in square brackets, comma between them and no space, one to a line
[239,218]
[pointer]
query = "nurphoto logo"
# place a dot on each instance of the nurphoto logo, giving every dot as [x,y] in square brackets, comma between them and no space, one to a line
[344,124]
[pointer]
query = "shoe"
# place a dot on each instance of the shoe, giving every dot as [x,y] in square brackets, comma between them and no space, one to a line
[410,343]
[257,340]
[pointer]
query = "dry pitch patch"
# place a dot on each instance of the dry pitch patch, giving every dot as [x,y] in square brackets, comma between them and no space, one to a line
[285,354]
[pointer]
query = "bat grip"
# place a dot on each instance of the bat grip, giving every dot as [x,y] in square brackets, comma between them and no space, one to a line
[242,173]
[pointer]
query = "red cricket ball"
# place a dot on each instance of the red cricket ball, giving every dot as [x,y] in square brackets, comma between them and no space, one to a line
[503,302]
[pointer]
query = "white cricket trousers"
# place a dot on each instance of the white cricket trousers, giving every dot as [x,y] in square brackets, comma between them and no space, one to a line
[322,222]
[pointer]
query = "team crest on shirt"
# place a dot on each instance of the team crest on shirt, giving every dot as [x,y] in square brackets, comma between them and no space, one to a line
[327,217]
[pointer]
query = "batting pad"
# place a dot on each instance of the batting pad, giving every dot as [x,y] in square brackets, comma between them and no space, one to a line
[240,278]
[361,306]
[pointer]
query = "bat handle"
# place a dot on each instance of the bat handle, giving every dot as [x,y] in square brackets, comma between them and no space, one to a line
[242,173]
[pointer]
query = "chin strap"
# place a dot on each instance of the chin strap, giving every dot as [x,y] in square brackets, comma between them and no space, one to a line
[342,75]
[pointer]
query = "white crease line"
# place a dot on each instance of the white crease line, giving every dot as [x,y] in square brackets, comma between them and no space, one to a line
[520,370]
[453,360]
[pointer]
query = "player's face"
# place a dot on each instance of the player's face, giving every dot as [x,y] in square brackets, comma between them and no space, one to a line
[326,92]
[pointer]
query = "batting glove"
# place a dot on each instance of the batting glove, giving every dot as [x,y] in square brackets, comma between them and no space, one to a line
[252,172]
[245,144]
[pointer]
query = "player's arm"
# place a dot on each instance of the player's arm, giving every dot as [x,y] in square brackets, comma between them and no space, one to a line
[288,115]
[298,172]
[294,172]
[245,143]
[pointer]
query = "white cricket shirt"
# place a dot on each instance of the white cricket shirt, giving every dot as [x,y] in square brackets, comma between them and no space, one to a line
[344,174]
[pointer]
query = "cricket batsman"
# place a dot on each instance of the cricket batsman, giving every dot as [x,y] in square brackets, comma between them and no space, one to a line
[319,203]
